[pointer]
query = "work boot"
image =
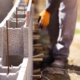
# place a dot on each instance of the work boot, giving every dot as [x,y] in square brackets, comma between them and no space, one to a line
[58,63]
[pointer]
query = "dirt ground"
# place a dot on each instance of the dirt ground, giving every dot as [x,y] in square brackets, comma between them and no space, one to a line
[72,70]
[74,57]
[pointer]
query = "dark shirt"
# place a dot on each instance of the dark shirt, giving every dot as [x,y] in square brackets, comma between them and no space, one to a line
[51,7]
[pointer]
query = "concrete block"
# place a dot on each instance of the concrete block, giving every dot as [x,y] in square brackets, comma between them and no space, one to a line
[25,40]
[16,60]
[15,41]
[19,19]
[23,4]
[12,24]
[3,76]
[18,45]
[12,76]
[22,8]
[1,41]
[20,14]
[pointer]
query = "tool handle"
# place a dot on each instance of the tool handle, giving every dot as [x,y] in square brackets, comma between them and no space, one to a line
[39,22]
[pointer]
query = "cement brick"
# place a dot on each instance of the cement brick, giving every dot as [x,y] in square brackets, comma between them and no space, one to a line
[23,4]
[16,60]
[25,41]
[19,19]
[12,76]
[18,45]
[22,8]
[20,14]
[1,41]
[15,41]
[12,24]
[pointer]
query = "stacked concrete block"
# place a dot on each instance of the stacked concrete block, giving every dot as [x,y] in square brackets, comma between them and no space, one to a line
[23,4]
[15,73]
[21,8]
[1,41]
[12,23]
[15,41]
[20,14]
[22,1]
[18,45]
[8,77]
[25,40]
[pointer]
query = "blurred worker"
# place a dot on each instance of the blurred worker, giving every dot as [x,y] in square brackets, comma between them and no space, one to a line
[60,18]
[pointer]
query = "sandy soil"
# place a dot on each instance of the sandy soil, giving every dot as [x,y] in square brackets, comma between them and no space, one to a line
[74,57]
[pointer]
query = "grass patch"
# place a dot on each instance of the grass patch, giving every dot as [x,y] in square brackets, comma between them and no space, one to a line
[77,31]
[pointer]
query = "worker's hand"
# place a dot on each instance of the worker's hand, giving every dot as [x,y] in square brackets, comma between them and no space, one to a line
[45,18]
[27,1]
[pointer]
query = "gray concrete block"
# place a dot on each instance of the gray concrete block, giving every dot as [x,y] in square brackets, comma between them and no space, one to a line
[22,8]
[16,60]
[15,41]
[19,19]
[12,24]
[23,4]
[3,77]
[1,41]
[25,41]
[12,76]
[20,14]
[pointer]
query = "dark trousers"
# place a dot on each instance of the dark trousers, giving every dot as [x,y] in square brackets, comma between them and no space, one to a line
[62,26]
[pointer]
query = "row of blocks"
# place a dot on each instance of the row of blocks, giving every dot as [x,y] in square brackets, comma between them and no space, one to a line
[18,37]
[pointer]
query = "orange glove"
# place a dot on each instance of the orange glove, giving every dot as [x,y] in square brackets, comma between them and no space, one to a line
[28,1]
[45,18]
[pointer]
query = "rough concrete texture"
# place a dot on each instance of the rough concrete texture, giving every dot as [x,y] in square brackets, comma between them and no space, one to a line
[26,42]
[12,23]
[16,73]
[21,8]
[1,41]
[18,49]
[12,76]
[23,4]
[5,6]
[16,40]
[18,44]
[20,14]
[12,69]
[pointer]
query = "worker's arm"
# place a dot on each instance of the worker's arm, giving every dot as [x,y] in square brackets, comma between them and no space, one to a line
[45,15]
[51,7]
